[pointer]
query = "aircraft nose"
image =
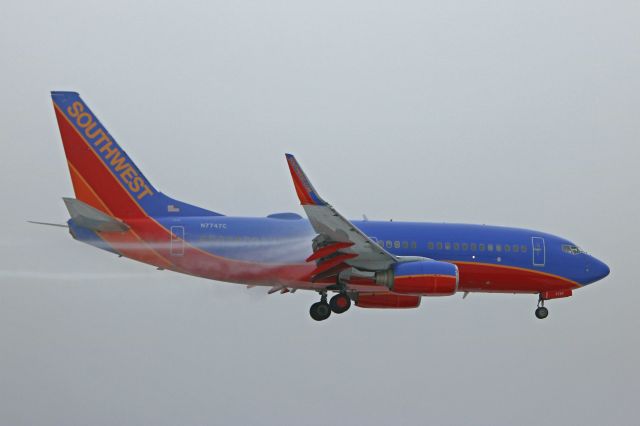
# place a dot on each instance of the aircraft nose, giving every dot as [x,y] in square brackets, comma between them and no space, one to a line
[598,269]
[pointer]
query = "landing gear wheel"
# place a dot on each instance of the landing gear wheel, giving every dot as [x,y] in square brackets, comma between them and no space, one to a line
[340,303]
[542,312]
[320,311]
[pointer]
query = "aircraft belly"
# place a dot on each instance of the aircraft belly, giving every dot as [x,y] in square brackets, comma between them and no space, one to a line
[477,277]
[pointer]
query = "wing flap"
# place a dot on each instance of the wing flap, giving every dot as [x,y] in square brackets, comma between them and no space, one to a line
[328,250]
[331,262]
[331,272]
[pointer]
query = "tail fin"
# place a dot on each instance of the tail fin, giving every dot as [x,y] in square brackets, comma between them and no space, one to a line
[102,174]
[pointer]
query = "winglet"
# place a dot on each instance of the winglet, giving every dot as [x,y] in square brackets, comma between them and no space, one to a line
[306,192]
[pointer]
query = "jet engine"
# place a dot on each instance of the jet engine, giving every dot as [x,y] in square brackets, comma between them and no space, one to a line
[421,278]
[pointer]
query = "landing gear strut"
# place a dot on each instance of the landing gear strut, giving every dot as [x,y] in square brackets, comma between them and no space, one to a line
[320,311]
[340,303]
[541,312]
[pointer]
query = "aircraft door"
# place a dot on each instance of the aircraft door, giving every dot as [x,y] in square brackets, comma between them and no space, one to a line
[539,254]
[177,241]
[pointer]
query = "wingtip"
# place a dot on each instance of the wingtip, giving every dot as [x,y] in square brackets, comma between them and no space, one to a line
[306,192]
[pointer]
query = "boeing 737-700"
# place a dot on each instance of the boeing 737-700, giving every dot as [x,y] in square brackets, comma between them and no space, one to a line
[372,264]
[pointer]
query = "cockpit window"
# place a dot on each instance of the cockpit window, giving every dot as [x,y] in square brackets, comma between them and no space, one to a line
[571,249]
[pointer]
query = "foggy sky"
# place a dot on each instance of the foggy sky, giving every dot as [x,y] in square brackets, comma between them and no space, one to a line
[511,113]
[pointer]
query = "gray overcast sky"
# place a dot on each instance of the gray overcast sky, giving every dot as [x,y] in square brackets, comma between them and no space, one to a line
[515,113]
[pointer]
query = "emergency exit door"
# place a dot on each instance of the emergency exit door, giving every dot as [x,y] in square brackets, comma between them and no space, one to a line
[539,255]
[177,240]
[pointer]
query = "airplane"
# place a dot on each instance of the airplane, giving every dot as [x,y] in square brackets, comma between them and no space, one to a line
[371,264]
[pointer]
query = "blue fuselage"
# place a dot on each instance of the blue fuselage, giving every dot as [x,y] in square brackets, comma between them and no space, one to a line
[286,239]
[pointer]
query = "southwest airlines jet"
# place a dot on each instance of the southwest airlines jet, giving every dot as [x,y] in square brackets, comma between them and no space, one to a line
[371,264]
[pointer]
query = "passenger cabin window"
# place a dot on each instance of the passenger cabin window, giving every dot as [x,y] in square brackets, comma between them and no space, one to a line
[456,246]
[430,245]
[439,245]
[523,248]
[447,246]
[474,246]
[481,247]
[490,247]
[498,247]
[465,246]
[405,244]
[516,248]
[413,244]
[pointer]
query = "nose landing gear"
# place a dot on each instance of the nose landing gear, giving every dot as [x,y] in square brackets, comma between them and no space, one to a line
[541,311]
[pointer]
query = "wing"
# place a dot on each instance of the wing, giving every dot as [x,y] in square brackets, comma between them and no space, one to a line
[339,244]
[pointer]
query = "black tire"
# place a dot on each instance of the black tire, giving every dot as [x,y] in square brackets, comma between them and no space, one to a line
[320,311]
[340,303]
[542,312]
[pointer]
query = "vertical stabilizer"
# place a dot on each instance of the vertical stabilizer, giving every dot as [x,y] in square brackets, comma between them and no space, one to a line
[103,175]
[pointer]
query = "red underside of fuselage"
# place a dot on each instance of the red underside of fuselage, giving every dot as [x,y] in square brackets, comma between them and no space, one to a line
[489,278]
[482,277]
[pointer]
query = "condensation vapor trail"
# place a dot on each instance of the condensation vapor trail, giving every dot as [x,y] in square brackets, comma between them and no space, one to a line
[75,276]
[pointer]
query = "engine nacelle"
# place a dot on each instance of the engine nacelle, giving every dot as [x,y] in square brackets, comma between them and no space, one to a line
[387,301]
[423,278]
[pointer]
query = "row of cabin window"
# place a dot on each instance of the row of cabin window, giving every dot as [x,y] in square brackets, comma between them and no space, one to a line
[515,248]
[397,244]
[231,238]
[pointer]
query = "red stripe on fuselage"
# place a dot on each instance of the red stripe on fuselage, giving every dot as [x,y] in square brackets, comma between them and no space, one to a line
[484,277]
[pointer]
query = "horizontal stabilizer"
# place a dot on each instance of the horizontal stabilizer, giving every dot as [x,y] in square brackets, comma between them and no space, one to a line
[88,217]
[59,225]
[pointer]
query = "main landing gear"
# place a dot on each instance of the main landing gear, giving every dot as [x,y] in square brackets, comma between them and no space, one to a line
[320,311]
[338,304]
[541,311]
